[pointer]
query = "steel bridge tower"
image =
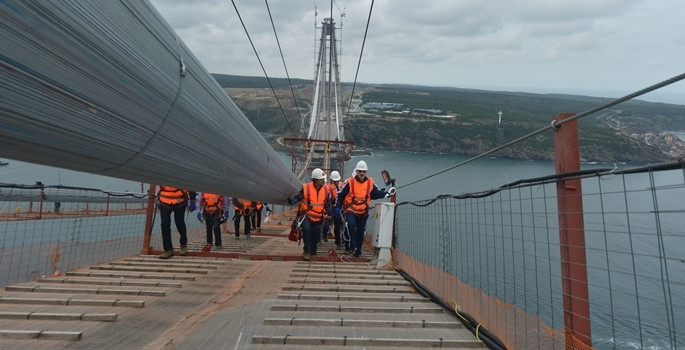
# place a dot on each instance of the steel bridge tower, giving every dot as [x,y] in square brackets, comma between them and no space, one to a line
[323,143]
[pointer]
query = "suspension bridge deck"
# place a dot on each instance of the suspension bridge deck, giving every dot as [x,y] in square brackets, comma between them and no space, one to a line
[248,301]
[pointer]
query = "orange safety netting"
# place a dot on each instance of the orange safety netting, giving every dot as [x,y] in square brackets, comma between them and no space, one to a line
[514,328]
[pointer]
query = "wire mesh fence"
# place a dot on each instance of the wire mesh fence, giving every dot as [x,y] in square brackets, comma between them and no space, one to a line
[51,230]
[497,255]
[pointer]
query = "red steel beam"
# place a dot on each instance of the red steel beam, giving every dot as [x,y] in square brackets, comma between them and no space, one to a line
[147,235]
[572,233]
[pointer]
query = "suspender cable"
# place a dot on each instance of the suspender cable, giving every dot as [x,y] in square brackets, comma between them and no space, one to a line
[263,69]
[297,107]
[361,52]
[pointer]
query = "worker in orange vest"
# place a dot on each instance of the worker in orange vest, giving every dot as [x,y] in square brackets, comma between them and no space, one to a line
[256,217]
[213,208]
[354,201]
[243,208]
[172,200]
[315,206]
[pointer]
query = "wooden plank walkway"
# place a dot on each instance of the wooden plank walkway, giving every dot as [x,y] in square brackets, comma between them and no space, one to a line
[197,302]
[356,305]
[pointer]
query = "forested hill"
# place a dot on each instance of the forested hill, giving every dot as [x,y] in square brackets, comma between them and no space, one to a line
[465,121]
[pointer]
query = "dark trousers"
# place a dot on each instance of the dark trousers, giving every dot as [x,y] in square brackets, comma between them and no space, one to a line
[337,224]
[165,211]
[356,224]
[311,233]
[256,218]
[236,223]
[213,226]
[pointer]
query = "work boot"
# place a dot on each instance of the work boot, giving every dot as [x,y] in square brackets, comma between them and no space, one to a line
[167,254]
[237,237]
[184,249]
[306,256]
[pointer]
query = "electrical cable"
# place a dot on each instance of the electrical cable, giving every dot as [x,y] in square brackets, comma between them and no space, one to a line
[490,340]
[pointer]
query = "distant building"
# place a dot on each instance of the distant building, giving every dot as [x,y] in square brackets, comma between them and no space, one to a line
[380,106]
[427,110]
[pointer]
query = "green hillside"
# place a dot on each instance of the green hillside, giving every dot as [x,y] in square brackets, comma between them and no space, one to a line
[633,131]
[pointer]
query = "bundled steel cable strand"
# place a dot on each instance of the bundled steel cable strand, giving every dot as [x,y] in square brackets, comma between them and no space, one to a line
[108,88]
[469,322]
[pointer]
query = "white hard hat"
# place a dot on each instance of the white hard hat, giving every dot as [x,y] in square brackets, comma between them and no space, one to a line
[335,176]
[318,174]
[361,165]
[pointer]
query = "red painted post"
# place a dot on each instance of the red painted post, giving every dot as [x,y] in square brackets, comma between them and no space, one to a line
[42,199]
[147,235]
[572,233]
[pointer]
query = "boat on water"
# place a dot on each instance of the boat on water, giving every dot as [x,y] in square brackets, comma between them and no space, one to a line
[504,268]
[4,162]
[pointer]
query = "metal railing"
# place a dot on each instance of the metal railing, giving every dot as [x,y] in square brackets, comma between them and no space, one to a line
[574,260]
[498,255]
[48,230]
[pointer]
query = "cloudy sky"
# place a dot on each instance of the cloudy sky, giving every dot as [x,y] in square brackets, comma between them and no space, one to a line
[606,48]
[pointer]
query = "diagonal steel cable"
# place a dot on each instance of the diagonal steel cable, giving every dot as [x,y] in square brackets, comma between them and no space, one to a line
[555,124]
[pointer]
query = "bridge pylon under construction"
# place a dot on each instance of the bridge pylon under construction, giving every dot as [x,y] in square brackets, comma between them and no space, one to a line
[323,143]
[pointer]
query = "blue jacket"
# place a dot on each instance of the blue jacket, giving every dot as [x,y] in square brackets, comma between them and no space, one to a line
[376,193]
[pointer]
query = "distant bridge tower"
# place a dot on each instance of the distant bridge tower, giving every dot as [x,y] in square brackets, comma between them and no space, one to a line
[324,145]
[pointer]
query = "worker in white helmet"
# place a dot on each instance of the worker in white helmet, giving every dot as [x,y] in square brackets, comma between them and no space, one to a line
[315,206]
[353,202]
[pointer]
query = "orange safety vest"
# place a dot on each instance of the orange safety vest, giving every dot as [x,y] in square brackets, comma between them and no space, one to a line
[313,201]
[359,196]
[246,205]
[333,191]
[259,206]
[172,195]
[212,202]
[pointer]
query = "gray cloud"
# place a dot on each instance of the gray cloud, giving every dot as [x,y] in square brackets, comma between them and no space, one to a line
[610,47]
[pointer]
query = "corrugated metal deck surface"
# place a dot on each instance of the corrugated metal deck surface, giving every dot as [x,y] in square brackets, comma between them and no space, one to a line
[195,302]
